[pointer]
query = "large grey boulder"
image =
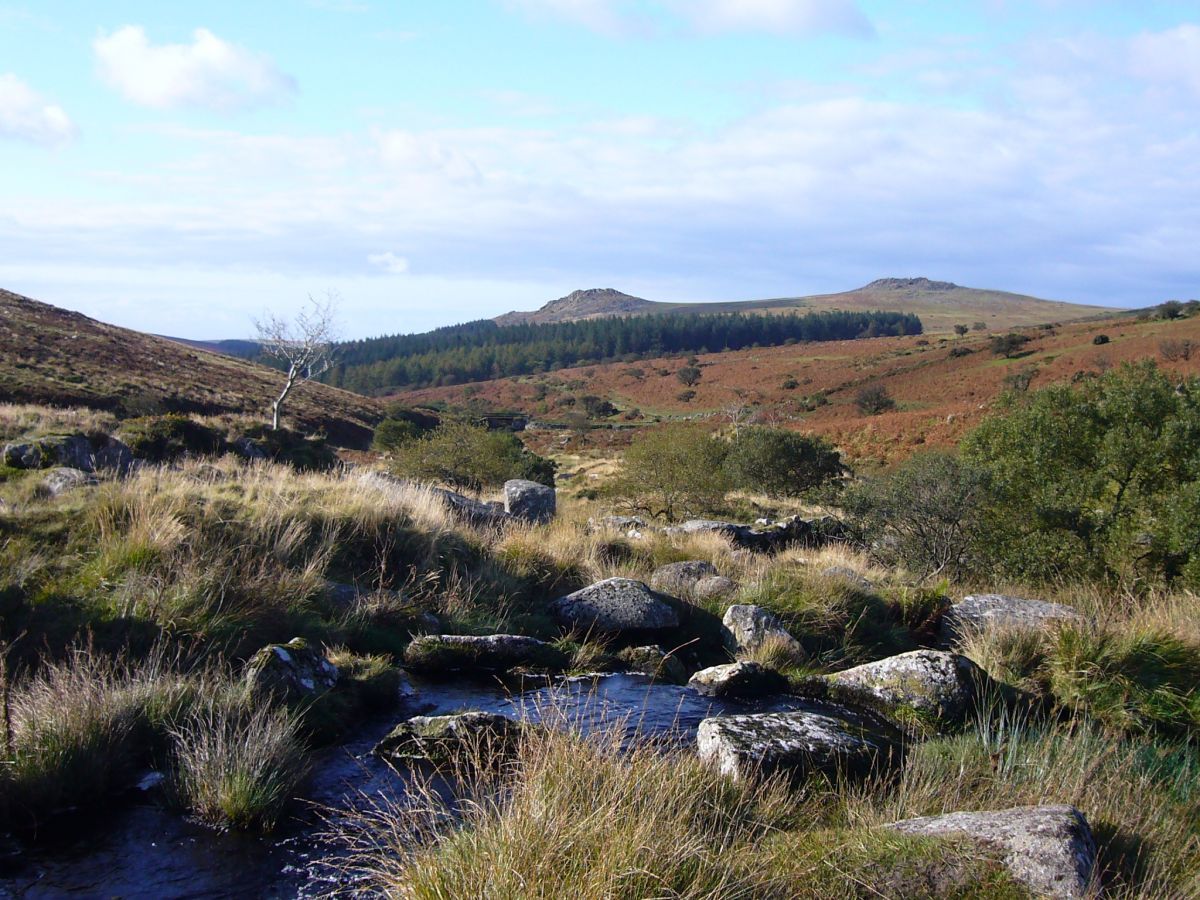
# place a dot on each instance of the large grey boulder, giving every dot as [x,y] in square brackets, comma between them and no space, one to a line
[63,479]
[440,654]
[291,671]
[111,454]
[747,626]
[979,612]
[935,684]
[1048,849]
[798,743]
[461,737]
[679,579]
[613,606]
[738,681]
[73,451]
[529,501]
[654,661]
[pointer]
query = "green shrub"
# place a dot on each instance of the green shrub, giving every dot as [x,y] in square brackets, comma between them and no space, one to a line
[391,434]
[873,400]
[164,438]
[470,457]
[1009,345]
[673,472]
[689,375]
[781,463]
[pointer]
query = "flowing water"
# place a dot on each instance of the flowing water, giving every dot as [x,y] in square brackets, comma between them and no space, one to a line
[138,849]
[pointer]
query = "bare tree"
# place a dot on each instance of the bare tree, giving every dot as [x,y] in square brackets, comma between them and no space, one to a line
[304,345]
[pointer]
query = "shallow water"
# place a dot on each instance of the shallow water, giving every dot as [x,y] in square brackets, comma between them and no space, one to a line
[137,849]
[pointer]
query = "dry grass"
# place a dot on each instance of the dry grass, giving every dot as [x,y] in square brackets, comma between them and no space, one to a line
[24,420]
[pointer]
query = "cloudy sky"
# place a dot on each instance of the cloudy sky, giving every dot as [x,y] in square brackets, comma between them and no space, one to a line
[178,167]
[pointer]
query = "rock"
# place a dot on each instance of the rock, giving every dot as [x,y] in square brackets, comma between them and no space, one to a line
[473,512]
[61,480]
[111,454]
[747,626]
[23,456]
[1048,849]
[655,662]
[740,680]
[619,523]
[678,579]
[440,654]
[293,671]
[248,448]
[72,451]
[462,737]
[771,538]
[842,573]
[983,611]
[934,683]
[714,587]
[529,501]
[615,605]
[799,743]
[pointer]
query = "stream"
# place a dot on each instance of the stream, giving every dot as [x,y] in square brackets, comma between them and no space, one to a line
[138,849]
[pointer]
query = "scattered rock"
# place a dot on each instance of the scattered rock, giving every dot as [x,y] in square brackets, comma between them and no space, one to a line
[1049,849]
[740,680]
[73,451]
[440,654]
[934,683]
[983,611]
[462,737]
[678,579]
[714,587]
[842,573]
[615,605]
[747,626]
[655,662]
[770,538]
[529,501]
[293,671]
[61,480]
[623,524]
[799,743]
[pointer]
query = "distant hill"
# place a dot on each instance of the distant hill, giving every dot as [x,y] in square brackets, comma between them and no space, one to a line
[239,347]
[940,304]
[53,356]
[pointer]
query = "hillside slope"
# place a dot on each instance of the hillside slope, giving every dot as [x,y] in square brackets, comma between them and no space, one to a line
[940,304]
[53,356]
[942,387]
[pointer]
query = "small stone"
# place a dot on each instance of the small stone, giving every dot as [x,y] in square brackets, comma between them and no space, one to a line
[462,737]
[61,480]
[1049,849]
[655,662]
[714,587]
[293,671]
[678,579]
[740,680]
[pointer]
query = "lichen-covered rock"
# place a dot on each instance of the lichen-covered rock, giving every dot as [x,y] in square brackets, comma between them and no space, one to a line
[843,573]
[529,501]
[63,479]
[462,737]
[292,671]
[714,587]
[623,524]
[73,451]
[737,681]
[942,686]
[655,662]
[798,743]
[679,579]
[980,612]
[615,605]
[440,654]
[747,626]
[473,512]
[1048,849]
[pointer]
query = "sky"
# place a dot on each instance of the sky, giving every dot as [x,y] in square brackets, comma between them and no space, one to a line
[182,167]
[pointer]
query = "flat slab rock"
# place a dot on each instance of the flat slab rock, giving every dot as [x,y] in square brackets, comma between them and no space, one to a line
[445,653]
[615,605]
[983,611]
[1049,849]
[443,739]
[799,743]
[678,579]
[941,684]
[738,680]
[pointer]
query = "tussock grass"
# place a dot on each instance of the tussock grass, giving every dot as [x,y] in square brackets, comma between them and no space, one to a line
[235,766]
[22,420]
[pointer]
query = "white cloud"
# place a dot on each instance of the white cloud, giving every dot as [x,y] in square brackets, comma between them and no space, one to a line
[25,115]
[775,16]
[604,16]
[389,262]
[1171,57]
[209,72]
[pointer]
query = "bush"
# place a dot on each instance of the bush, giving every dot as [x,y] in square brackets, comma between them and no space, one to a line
[165,438]
[960,330]
[1175,350]
[957,352]
[470,457]
[392,433]
[790,384]
[688,375]
[686,396]
[1100,339]
[927,514]
[873,400]
[673,471]
[309,453]
[597,407]
[1009,345]
[1100,478]
[781,463]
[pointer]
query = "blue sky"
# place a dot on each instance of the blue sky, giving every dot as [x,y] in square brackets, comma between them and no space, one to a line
[180,167]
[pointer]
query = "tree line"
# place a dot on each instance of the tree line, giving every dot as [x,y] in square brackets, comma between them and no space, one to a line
[482,350]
